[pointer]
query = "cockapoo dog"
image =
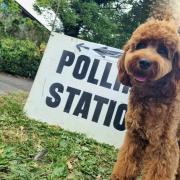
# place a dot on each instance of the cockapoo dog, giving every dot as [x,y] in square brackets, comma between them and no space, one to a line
[151,67]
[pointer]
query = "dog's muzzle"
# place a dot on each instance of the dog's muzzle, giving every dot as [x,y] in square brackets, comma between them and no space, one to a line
[144,64]
[142,70]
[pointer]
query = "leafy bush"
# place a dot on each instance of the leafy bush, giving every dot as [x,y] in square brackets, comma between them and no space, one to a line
[21,40]
[15,23]
[20,57]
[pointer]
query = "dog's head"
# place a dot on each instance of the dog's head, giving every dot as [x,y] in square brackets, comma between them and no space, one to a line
[152,52]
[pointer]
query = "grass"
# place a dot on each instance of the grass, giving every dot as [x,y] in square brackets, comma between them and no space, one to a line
[67,155]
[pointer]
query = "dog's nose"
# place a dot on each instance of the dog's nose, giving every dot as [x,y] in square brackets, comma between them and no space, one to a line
[144,64]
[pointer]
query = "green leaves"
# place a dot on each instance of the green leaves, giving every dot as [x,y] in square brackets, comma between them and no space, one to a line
[20,57]
[59,171]
[70,155]
[14,24]
[9,7]
[109,22]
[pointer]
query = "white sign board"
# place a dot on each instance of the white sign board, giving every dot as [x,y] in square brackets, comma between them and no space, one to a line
[77,88]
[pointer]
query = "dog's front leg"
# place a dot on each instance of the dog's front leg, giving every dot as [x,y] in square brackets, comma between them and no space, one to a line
[161,161]
[128,163]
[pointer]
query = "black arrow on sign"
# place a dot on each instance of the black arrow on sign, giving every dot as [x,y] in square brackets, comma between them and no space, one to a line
[104,51]
[81,45]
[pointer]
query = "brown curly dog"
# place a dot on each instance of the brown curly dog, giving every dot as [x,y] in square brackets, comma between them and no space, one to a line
[151,66]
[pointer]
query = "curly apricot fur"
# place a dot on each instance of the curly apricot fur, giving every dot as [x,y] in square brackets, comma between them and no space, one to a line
[151,145]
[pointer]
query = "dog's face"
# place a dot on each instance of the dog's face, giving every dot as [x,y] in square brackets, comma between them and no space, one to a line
[150,54]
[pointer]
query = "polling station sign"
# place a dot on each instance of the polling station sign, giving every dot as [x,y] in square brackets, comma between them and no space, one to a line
[77,88]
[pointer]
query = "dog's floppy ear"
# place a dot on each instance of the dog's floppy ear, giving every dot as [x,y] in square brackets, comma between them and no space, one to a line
[122,74]
[177,63]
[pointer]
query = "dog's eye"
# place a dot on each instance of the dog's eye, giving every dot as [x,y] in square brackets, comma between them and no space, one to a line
[141,45]
[162,50]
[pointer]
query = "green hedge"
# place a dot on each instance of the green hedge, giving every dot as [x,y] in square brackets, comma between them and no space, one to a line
[19,57]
